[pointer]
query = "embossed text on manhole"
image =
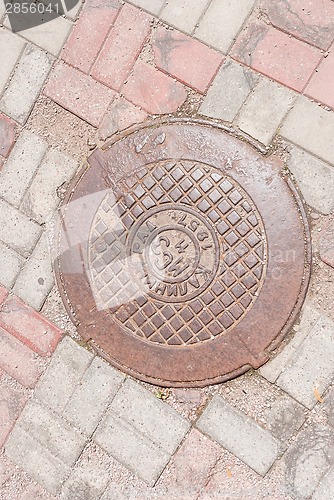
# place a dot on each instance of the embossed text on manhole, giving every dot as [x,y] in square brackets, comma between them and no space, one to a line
[183,254]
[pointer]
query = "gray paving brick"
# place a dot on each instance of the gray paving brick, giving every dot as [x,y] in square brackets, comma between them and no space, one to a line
[308,459]
[261,115]
[36,278]
[64,373]
[52,432]
[17,230]
[228,92]
[312,366]
[10,265]
[145,412]
[315,179]
[152,6]
[183,14]
[274,367]
[26,83]
[21,166]
[50,36]
[239,434]
[11,48]
[132,448]
[285,417]
[325,490]
[90,399]
[41,199]
[222,22]
[312,128]
[36,460]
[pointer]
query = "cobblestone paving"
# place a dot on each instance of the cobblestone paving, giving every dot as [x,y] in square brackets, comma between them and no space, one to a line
[72,427]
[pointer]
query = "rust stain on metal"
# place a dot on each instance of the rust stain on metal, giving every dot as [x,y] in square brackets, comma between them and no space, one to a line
[183,254]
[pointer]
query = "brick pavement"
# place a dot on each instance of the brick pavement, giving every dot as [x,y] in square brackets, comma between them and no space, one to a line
[265,69]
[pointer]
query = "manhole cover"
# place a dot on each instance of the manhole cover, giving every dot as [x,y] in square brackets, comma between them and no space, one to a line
[183,254]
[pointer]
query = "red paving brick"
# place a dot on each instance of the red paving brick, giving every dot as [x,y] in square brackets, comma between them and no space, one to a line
[321,86]
[18,360]
[88,35]
[3,294]
[191,466]
[122,47]
[188,60]
[122,114]
[29,327]
[7,135]
[277,55]
[12,402]
[153,90]
[309,20]
[79,93]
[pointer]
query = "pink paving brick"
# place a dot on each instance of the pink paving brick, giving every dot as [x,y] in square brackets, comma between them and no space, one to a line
[2,162]
[18,360]
[90,32]
[277,55]
[122,47]
[29,327]
[191,466]
[188,60]
[309,20]
[3,294]
[12,402]
[79,93]
[121,115]
[321,86]
[7,135]
[153,90]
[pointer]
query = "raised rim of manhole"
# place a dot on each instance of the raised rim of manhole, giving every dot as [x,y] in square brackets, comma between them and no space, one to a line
[183,254]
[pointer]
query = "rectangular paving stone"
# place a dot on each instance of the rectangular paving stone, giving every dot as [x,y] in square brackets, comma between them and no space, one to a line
[10,265]
[317,131]
[312,22]
[312,366]
[52,432]
[89,33]
[130,447]
[12,402]
[21,166]
[145,412]
[261,115]
[26,83]
[11,49]
[64,373]
[183,14]
[229,90]
[50,31]
[274,367]
[41,199]
[307,460]
[188,60]
[18,360]
[91,398]
[17,230]
[276,54]
[36,460]
[29,327]
[36,279]
[79,93]
[222,22]
[122,47]
[164,95]
[121,115]
[318,87]
[315,179]
[239,434]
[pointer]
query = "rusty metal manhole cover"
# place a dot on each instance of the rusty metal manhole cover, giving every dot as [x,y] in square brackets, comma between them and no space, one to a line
[183,254]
